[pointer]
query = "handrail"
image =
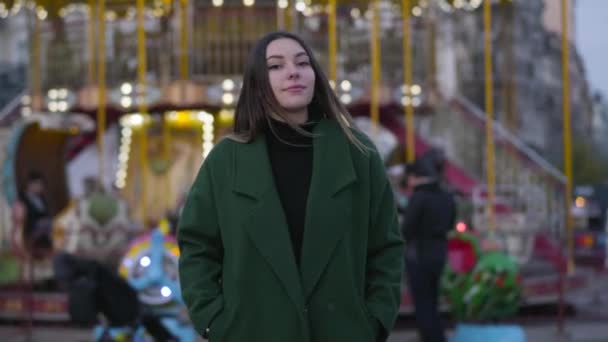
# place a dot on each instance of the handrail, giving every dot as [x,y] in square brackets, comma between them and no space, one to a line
[7,110]
[514,141]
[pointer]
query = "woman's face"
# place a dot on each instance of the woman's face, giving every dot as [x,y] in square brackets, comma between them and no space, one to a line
[291,76]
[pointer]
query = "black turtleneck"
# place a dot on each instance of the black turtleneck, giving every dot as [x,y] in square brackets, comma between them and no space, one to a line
[291,156]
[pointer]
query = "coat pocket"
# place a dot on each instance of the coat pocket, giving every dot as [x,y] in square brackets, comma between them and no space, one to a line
[217,327]
[370,320]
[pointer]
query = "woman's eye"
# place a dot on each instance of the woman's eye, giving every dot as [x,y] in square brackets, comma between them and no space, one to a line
[304,63]
[274,67]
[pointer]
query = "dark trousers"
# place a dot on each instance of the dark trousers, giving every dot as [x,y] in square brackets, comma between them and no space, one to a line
[423,271]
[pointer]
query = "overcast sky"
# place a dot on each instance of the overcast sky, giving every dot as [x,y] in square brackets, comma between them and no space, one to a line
[592,40]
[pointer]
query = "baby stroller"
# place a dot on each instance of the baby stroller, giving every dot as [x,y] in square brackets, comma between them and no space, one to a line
[94,290]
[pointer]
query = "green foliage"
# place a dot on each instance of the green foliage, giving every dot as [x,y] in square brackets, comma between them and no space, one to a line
[589,162]
[491,290]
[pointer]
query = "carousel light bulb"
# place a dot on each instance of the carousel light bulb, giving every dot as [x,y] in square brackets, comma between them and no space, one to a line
[165,291]
[248,3]
[227,98]
[208,136]
[126,131]
[41,13]
[62,106]
[126,88]
[53,106]
[300,6]
[580,202]
[416,102]
[111,16]
[228,85]
[415,89]
[355,13]
[217,3]
[136,120]
[62,93]
[283,4]
[120,184]
[145,261]
[53,94]
[346,85]
[346,98]
[417,11]
[332,84]
[405,100]
[126,101]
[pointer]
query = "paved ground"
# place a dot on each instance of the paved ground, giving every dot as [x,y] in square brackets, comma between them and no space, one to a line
[588,322]
[576,331]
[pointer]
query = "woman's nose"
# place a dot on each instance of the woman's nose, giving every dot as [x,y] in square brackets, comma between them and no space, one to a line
[293,72]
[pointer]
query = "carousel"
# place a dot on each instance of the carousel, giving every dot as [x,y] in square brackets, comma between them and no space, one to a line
[127,98]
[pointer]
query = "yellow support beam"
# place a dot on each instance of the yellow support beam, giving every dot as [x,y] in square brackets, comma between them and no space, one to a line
[101,79]
[333,41]
[184,60]
[91,43]
[410,154]
[376,70]
[36,84]
[567,131]
[167,157]
[489,98]
[141,99]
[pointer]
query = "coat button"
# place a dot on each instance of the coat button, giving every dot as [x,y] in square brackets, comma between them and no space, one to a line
[306,309]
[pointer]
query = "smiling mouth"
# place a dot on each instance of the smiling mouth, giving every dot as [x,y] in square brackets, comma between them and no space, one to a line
[295,88]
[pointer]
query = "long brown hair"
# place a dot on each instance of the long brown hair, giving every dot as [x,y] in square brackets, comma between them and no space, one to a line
[256,101]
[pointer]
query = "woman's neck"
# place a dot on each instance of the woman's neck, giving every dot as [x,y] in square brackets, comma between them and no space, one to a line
[299,117]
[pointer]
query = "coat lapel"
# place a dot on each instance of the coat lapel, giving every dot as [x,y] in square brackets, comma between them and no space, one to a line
[266,224]
[329,207]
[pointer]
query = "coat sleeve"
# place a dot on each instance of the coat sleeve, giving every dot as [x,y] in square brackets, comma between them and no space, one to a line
[201,253]
[385,252]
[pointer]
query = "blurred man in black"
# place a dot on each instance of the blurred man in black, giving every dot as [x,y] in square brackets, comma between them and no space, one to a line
[429,216]
[37,229]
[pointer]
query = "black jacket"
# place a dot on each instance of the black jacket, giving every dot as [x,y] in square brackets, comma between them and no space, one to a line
[430,214]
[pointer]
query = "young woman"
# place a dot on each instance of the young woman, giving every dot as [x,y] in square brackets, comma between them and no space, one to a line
[290,230]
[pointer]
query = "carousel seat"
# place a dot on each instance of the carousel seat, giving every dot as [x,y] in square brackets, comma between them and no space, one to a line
[95,227]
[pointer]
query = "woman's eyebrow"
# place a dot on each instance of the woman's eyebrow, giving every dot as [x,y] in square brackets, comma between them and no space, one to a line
[302,53]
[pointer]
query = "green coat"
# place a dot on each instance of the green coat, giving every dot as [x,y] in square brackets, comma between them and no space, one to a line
[237,270]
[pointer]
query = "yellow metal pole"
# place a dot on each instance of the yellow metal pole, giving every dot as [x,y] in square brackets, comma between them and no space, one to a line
[489,97]
[143,158]
[375,54]
[280,18]
[141,59]
[142,105]
[410,154]
[91,42]
[567,131]
[101,78]
[183,66]
[333,41]
[36,86]
[167,158]
[287,17]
